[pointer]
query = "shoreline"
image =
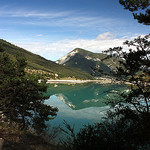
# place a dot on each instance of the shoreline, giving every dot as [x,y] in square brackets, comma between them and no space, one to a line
[102,81]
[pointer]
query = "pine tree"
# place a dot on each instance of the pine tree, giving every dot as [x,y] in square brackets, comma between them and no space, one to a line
[21,96]
[141,6]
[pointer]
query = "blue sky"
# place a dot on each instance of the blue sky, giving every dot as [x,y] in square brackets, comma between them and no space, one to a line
[52,28]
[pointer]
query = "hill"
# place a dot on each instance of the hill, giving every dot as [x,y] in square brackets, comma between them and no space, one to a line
[92,63]
[39,63]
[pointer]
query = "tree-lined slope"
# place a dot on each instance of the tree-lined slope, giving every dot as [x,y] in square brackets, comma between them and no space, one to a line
[37,62]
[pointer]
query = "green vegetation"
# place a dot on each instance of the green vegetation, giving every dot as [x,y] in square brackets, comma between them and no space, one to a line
[22,101]
[39,63]
[109,62]
[21,96]
[78,67]
[41,74]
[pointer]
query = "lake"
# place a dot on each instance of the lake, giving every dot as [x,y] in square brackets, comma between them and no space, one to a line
[80,104]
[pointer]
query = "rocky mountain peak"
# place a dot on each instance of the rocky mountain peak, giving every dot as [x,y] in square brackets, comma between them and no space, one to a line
[66,58]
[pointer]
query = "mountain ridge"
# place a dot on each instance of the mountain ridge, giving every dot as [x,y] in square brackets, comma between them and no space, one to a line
[35,61]
[92,63]
[78,63]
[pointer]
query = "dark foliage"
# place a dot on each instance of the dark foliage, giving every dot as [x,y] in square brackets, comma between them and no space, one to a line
[135,107]
[141,6]
[126,126]
[135,66]
[21,96]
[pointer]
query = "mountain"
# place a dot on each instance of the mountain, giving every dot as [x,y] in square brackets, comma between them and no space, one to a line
[92,63]
[39,63]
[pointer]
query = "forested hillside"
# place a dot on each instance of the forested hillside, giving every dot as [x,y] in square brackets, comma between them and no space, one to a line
[39,63]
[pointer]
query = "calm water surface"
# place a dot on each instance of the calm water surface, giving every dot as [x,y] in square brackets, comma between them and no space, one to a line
[80,104]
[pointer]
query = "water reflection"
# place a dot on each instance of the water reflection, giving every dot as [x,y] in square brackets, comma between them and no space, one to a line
[80,104]
[84,95]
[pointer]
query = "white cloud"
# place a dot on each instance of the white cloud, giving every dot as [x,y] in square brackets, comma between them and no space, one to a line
[21,12]
[54,51]
[39,35]
[105,36]
[56,18]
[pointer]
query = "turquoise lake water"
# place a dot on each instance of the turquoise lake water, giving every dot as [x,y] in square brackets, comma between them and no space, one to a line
[80,104]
